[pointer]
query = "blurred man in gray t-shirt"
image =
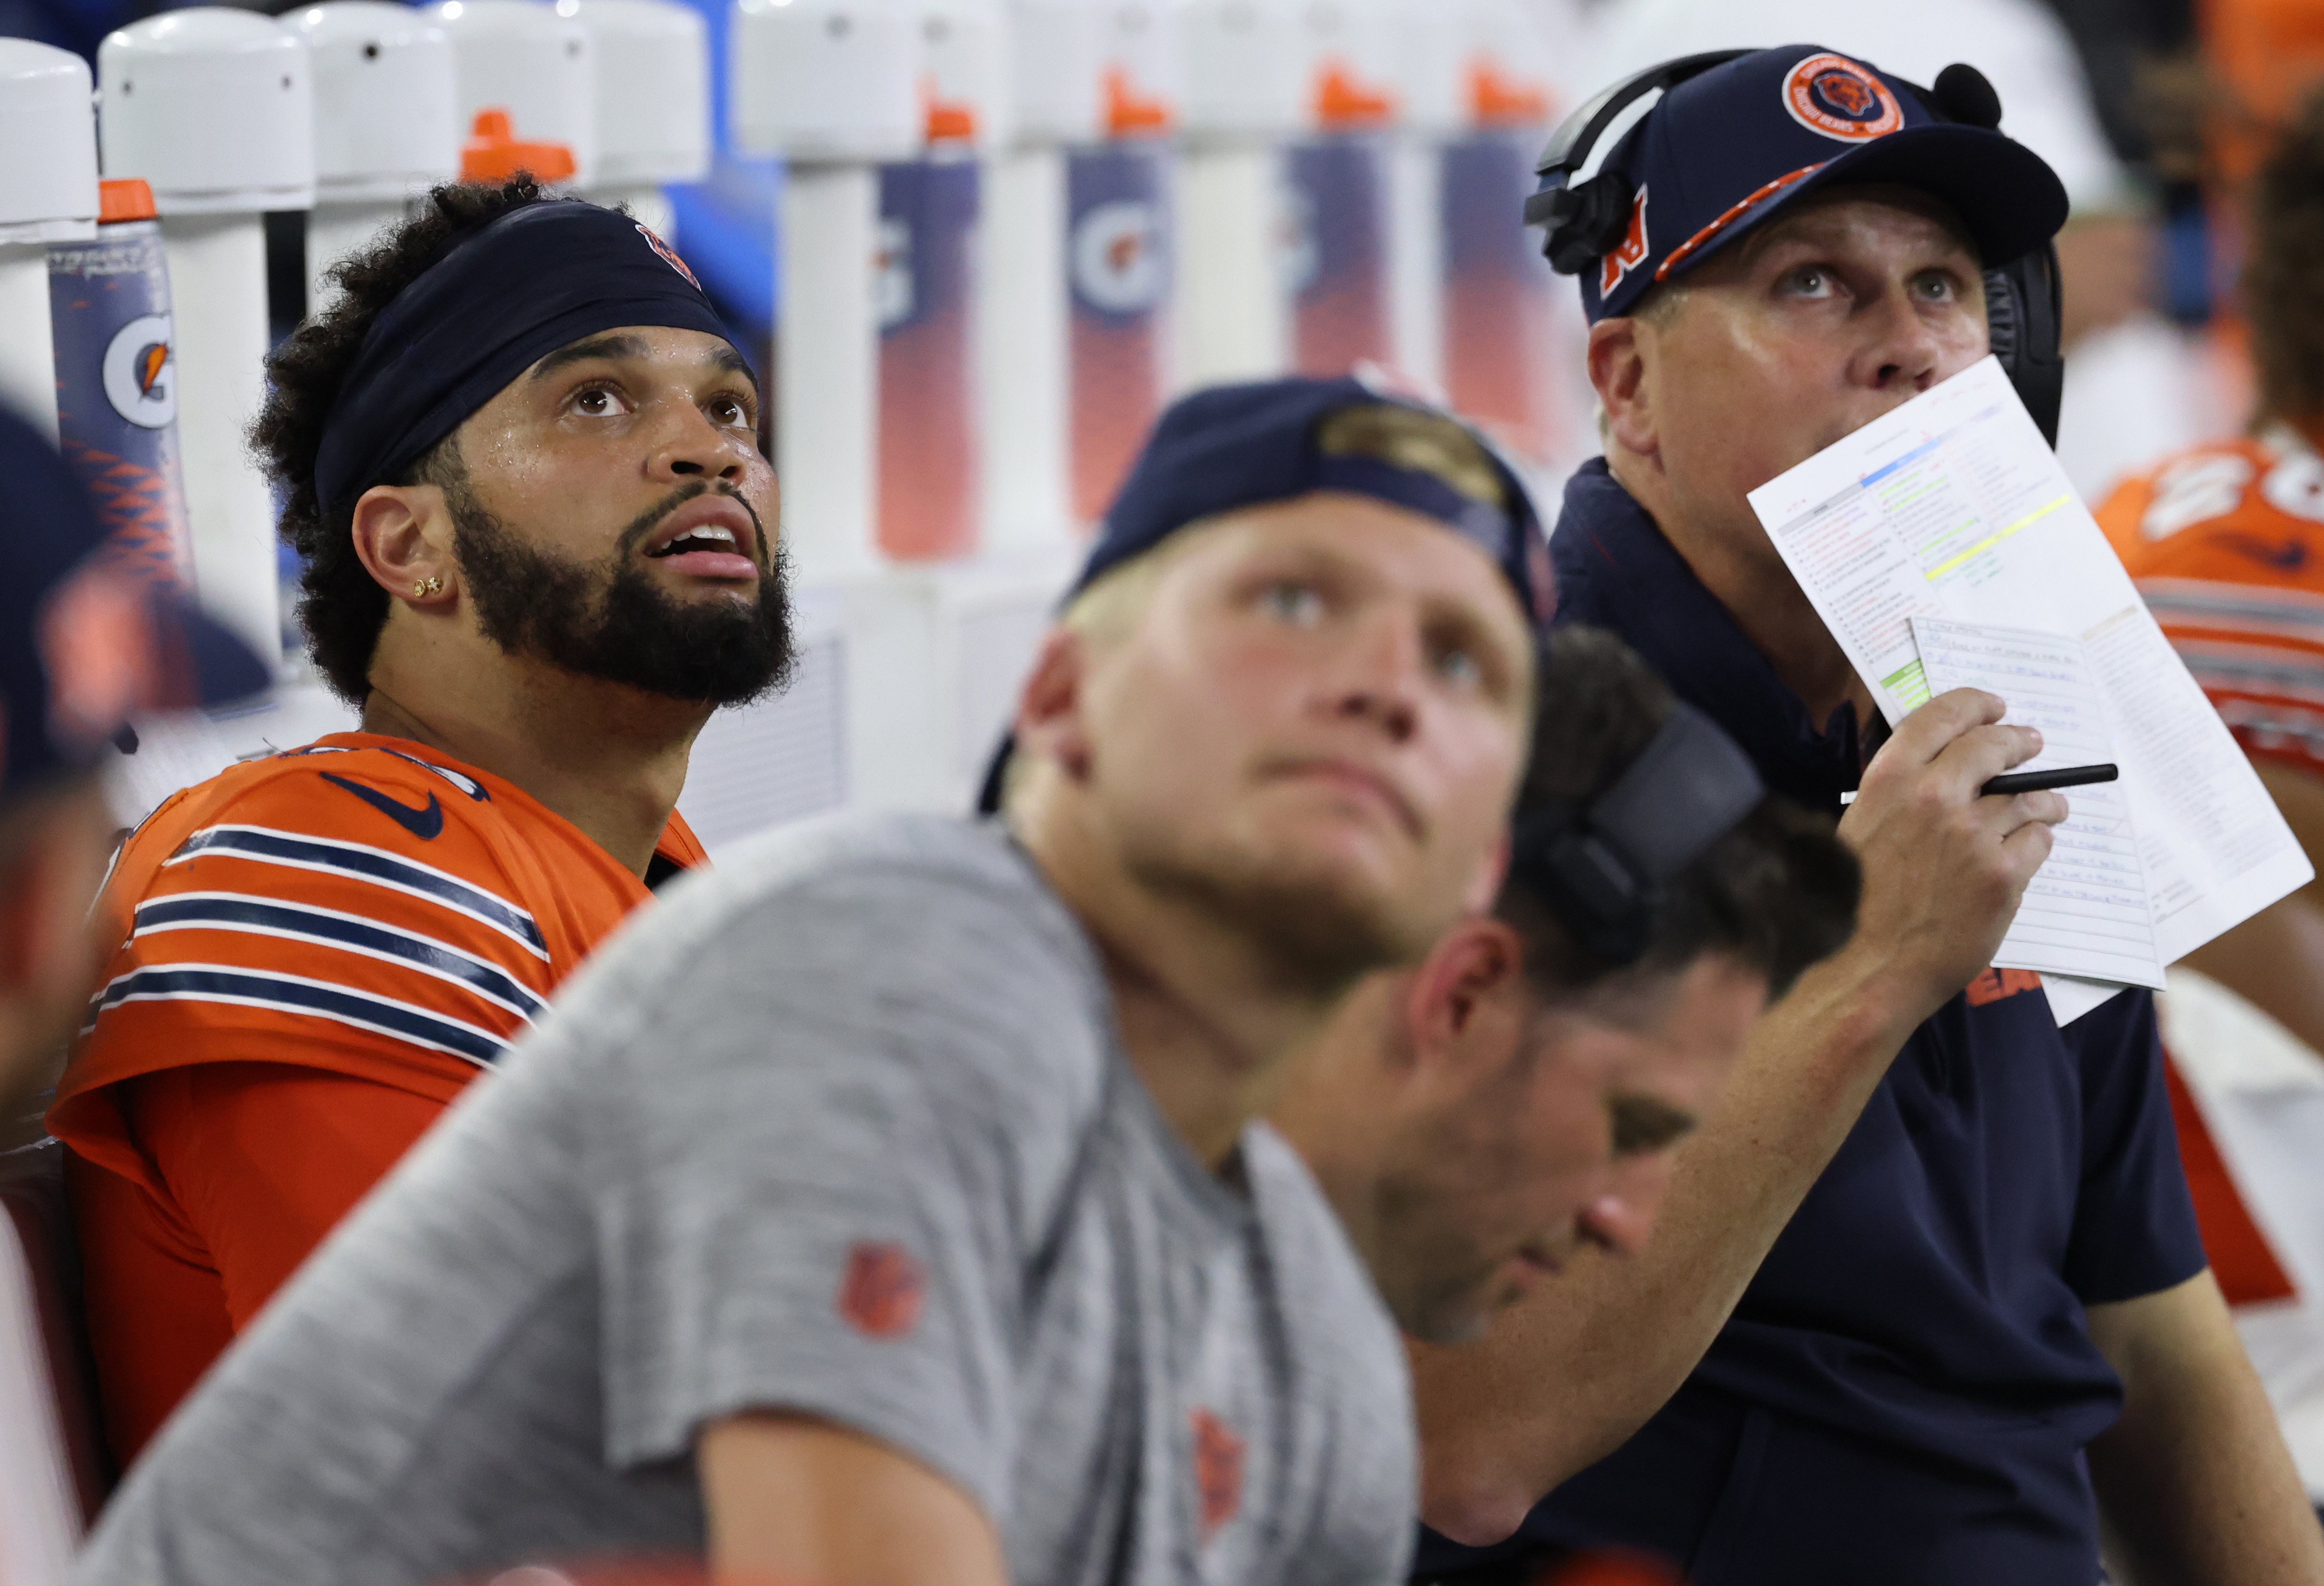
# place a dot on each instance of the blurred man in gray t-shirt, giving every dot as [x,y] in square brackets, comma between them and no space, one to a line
[887,1207]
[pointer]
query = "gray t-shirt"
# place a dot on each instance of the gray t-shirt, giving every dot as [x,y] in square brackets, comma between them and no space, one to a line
[842,1128]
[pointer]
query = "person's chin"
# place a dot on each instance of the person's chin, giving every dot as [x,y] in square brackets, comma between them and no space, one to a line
[1330,830]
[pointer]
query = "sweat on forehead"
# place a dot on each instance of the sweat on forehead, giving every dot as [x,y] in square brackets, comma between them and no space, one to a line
[514,292]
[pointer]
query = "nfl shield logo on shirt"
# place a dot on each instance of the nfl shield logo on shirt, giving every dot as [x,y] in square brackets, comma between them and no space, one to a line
[1218,1471]
[881,1292]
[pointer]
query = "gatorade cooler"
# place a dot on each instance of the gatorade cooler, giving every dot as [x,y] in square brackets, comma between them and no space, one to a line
[1118,261]
[1502,332]
[1338,263]
[117,384]
[929,482]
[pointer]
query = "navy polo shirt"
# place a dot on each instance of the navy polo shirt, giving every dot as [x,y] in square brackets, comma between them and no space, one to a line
[1904,1392]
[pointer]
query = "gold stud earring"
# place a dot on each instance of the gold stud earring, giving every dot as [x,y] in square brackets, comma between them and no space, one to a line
[421,588]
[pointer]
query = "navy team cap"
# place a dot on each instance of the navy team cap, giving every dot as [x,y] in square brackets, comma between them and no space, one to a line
[1231,446]
[1244,445]
[84,644]
[1722,151]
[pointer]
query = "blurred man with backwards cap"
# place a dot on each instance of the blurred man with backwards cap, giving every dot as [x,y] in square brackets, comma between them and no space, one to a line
[82,647]
[1927,1296]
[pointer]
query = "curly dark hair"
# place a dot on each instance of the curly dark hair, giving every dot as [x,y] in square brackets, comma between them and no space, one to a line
[1775,894]
[2283,291]
[341,606]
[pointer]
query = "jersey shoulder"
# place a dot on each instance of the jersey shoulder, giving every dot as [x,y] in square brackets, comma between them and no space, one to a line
[2248,511]
[345,907]
[326,810]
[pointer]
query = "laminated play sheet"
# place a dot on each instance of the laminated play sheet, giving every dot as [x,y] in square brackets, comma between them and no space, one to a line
[1951,516]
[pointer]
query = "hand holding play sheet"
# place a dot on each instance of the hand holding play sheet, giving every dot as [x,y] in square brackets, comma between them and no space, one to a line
[1953,512]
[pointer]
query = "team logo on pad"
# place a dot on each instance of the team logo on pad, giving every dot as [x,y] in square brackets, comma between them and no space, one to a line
[1832,95]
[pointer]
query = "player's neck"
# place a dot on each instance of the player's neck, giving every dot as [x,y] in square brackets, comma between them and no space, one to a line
[610,759]
[1338,1113]
[1208,1018]
[1736,565]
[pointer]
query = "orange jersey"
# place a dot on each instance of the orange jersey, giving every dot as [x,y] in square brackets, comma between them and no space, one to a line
[2226,543]
[315,953]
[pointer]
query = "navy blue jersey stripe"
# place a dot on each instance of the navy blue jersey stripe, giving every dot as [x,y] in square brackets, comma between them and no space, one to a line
[288,994]
[371,864]
[330,927]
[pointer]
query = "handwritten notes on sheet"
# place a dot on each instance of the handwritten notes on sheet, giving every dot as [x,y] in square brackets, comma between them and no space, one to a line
[2086,912]
[1953,509]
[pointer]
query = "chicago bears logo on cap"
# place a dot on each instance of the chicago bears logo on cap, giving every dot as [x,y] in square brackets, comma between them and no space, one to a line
[669,256]
[1832,95]
[1629,253]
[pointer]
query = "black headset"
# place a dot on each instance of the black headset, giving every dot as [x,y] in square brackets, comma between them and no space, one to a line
[1602,868]
[1584,220]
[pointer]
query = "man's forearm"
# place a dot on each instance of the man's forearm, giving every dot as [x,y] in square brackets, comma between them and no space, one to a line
[2194,1480]
[1566,1377]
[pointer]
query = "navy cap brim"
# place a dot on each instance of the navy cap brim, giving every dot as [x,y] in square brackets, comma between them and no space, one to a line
[2007,194]
[222,669]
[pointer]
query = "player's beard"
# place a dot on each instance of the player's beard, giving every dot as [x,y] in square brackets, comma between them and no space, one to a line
[616,624]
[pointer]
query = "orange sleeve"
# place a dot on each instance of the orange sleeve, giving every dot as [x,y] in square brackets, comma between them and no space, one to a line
[348,914]
[262,1160]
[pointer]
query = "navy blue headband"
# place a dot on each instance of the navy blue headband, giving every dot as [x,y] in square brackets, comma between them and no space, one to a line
[503,297]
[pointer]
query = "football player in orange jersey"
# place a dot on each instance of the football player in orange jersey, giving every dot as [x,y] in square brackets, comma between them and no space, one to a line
[2226,543]
[519,455]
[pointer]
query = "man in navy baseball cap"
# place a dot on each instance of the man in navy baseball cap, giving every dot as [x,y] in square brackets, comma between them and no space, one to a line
[83,646]
[1927,1298]
[1230,447]
[1717,153]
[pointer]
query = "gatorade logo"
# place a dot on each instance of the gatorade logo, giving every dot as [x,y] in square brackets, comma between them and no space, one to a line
[1117,254]
[141,376]
[1832,95]
[1629,253]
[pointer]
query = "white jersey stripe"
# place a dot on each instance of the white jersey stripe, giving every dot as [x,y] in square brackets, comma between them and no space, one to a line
[301,996]
[331,928]
[362,862]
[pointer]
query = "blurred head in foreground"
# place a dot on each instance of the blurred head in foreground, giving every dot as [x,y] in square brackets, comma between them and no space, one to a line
[83,646]
[1291,690]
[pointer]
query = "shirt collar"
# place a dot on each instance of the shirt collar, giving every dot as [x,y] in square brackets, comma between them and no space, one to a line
[1614,570]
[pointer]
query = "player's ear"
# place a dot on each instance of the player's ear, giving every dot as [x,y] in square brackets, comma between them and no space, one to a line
[1618,372]
[401,533]
[1049,725]
[1468,1003]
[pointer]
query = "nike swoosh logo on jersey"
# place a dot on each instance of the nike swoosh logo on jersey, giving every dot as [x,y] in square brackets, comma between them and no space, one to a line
[426,823]
[2289,557]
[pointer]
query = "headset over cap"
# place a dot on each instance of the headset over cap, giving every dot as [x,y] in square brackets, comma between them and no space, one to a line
[1662,170]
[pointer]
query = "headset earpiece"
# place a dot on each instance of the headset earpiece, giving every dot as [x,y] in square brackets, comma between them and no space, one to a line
[1596,215]
[1602,870]
[2021,307]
